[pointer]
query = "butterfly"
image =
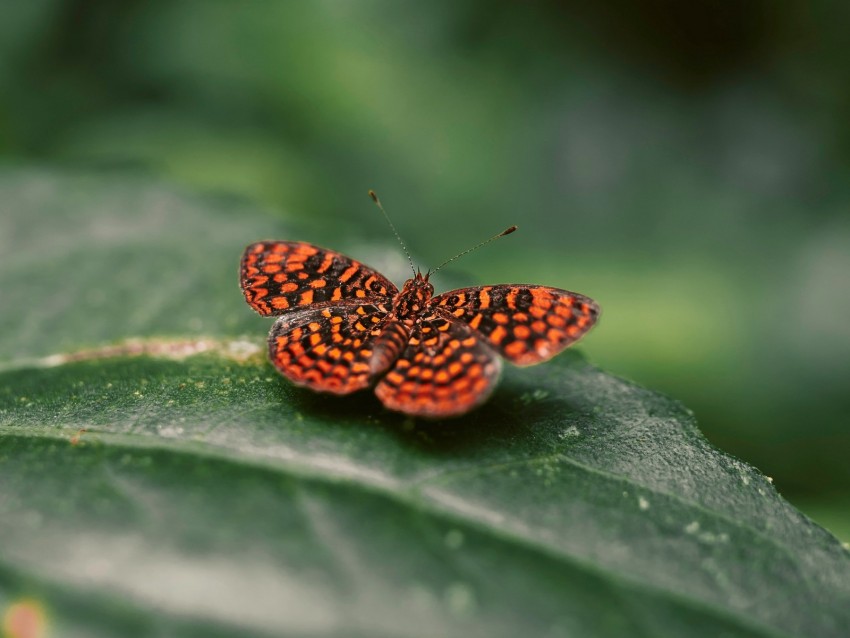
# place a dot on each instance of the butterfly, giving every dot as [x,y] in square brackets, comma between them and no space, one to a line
[342,327]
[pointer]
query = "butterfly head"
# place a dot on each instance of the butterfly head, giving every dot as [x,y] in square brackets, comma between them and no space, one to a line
[414,295]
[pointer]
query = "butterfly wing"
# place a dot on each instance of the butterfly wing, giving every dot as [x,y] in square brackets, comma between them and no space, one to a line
[277,276]
[525,324]
[446,370]
[337,349]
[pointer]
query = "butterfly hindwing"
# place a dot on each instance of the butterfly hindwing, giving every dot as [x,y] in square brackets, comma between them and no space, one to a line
[338,349]
[526,324]
[446,370]
[278,276]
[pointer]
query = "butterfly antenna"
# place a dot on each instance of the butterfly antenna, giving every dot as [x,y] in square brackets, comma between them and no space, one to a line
[507,231]
[377,201]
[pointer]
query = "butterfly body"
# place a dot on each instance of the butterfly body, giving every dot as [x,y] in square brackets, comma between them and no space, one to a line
[343,326]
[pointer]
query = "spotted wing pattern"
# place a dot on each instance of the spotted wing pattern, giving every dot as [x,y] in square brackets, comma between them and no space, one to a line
[279,275]
[336,349]
[446,370]
[525,324]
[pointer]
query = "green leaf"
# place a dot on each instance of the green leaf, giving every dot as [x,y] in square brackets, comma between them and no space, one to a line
[174,484]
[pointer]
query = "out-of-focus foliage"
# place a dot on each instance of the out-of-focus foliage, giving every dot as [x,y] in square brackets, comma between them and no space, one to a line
[686,164]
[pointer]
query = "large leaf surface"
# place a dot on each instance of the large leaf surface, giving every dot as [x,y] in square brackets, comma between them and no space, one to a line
[208,497]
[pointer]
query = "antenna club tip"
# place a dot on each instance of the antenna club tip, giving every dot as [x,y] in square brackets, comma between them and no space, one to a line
[373,195]
[508,231]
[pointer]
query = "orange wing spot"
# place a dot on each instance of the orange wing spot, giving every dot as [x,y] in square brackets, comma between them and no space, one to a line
[520,317]
[461,298]
[408,386]
[402,363]
[271,268]
[522,332]
[475,370]
[315,339]
[306,298]
[280,303]
[292,266]
[515,349]
[336,337]
[349,273]
[320,349]
[455,368]
[466,357]
[443,327]
[438,361]
[476,321]
[348,355]
[563,310]
[395,378]
[556,321]
[500,317]
[359,366]
[572,331]
[329,259]
[335,353]
[323,365]
[313,326]
[337,294]
[419,356]
[538,326]
[375,319]
[359,293]
[426,330]
[498,335]
[432,341]
[537,312]
[484,299]
[272,258]
[454,344]
[441,376]
[318,283]
[459,312]
[468,342]
[479,386]
[305,361]
[281,277]
[414,371]
[359,326]
[365,353]
[303,275]
[510,299]
[336,319]
[369,281]
[461,384]
[427,374]
[555,335]
[340,371]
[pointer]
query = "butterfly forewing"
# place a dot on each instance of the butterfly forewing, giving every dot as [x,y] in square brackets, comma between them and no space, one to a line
[446,370]
[525,324]
[278,276]
[336,349]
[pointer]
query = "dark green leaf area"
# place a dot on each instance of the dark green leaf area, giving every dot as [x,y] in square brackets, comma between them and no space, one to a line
[210,497]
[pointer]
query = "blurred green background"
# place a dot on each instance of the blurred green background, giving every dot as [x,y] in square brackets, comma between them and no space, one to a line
[686,164]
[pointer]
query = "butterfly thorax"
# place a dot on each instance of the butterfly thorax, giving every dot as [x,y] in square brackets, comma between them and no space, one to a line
[413,297]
